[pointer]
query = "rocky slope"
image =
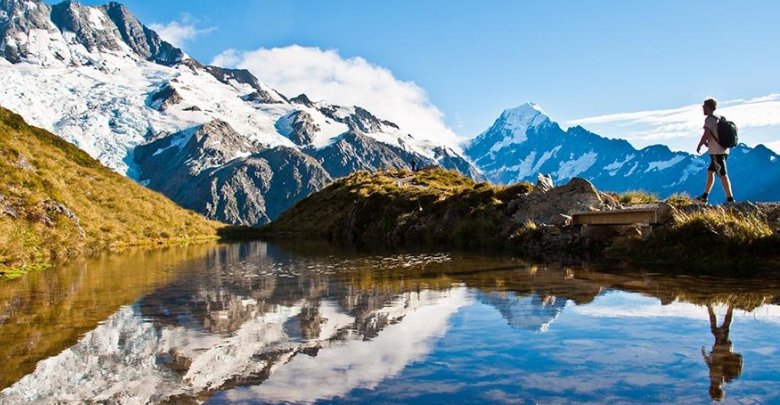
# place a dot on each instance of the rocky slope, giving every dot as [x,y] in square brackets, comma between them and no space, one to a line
[524,142]
[56,202]
[99,78]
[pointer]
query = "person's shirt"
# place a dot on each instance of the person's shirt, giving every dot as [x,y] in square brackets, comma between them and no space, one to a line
[713,147]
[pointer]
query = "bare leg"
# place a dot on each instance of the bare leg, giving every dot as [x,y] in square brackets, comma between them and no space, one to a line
[724,180]
[710,180]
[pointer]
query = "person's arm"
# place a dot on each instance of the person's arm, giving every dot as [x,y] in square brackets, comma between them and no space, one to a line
[705,137]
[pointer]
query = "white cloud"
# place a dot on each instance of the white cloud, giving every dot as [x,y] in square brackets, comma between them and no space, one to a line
[326,75]
[758,120]
[178,33]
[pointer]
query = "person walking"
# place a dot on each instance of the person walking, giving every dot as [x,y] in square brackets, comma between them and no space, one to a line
[718,154]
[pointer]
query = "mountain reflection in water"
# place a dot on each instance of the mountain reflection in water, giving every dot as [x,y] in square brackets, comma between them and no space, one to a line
[257,323]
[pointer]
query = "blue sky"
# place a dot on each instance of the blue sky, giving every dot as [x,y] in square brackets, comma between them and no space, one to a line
[472,60]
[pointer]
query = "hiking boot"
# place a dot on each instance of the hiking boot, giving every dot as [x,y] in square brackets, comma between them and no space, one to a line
[729,201]
[702,198]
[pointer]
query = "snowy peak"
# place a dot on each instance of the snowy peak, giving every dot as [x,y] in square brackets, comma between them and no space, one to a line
[69,34]
[510,129]
[302,99]
[522,117]
[142,40]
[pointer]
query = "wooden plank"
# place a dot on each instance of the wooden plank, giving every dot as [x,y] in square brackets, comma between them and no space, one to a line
[616,217]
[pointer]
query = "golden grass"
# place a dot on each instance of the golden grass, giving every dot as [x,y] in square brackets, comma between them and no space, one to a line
[40,171]
[726,225]
[394,206]
[636,197]
[713,240]
[680,199]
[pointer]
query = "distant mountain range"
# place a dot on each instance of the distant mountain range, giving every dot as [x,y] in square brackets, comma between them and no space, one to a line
[215,140]
[524,142]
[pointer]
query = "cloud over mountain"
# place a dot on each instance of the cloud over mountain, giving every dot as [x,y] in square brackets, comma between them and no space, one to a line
[324,74]
[178,33]
[679,128]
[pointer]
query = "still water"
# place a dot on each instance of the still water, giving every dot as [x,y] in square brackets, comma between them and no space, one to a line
[260,323]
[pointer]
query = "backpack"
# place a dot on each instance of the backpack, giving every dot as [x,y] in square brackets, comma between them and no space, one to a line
[727,133]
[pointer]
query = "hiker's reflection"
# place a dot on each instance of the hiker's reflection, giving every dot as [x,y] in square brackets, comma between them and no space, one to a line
[724,364]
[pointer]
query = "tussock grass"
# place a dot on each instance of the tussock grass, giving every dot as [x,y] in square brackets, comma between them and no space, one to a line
[720,226]
[714,240]
[432,206]
[680,199]
[637,197]
[42,174]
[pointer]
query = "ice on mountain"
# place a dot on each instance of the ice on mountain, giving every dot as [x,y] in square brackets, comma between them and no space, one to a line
[572,168]
[633,168]
[661,165]
[614,167]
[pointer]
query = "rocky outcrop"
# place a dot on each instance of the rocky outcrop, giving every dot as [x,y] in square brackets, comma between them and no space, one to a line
[164,98]
[302,127]
[214,170]
[253,190]
[355,151]
[303,99]
[543,207]
[262,93]
[143,41]
[109,28]
[70,16]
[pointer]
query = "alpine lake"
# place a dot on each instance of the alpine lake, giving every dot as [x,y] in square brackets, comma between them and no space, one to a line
[256,323]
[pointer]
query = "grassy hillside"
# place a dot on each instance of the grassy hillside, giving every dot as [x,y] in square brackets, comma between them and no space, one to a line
[57,202]
[431,206]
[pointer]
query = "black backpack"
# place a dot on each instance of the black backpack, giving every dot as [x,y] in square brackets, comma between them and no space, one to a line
[727,133]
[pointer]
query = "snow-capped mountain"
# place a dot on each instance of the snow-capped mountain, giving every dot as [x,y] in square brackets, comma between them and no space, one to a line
[524,141]
[212,139]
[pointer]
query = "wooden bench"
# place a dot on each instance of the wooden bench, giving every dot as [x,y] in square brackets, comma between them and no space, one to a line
[631,216]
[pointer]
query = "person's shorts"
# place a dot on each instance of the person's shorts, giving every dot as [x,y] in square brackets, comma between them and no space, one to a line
[718,164]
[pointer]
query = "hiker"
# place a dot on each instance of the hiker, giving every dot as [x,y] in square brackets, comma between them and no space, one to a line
[724,364]
[414,164]
[718,154]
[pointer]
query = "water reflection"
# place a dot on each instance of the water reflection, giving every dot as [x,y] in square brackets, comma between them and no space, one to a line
[724,364]
[256,322]
[534,313]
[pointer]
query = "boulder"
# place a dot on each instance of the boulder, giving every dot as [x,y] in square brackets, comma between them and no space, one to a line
[578,195]
[544,183]
[560,220]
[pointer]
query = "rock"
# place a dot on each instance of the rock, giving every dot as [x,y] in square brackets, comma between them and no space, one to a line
[11,211]
[355,151]
[193,108]
[24,164]
[263,93]
[665,213]
[54,207]
[578,195]
[301,127]
[302,99]
[560,220]
[544,183]
[164,98]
